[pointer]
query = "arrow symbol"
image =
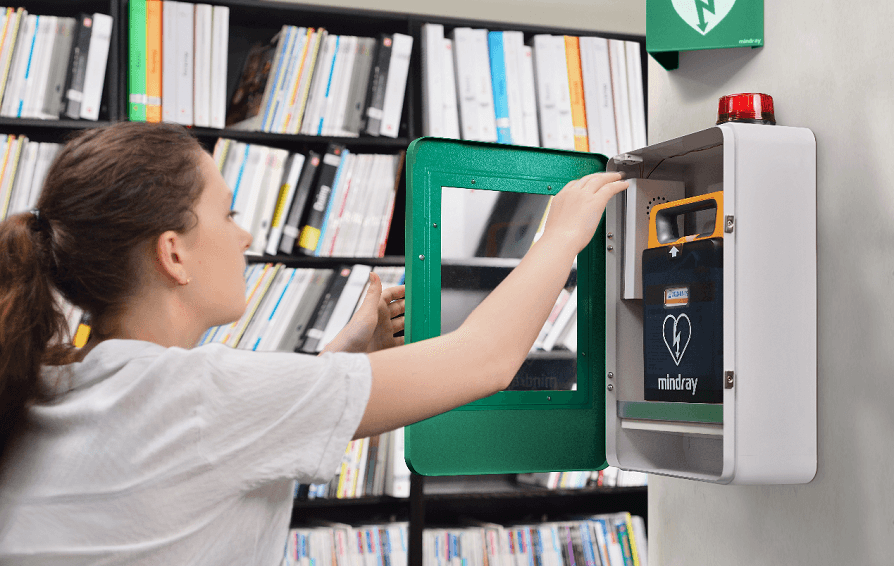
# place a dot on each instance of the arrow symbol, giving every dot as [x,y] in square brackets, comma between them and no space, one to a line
[674,251]
[702,6]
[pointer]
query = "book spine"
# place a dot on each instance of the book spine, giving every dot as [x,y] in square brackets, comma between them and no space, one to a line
[220,34]
[284,202]
[185,22]
[77,67]
[52,102]
[308,74]
[375,98]
[294,219]
[498,80]
[95,72]
[277,72]
[153,60]
[357,91]
[136,42]
[169,61]
[312,228]
[324,312]
[576,93]
[201,96]
[396,85]
[432,89]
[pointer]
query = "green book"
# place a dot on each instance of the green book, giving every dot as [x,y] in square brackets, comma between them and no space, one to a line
[136,84]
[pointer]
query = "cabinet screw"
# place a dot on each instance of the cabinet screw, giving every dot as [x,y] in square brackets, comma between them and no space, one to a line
[610,235]
[730,224]
[435,225]
[610,248]
[473,181]
[611,375]
[549,187]
[730,379]
[421,257]
[548,398]
[610,387]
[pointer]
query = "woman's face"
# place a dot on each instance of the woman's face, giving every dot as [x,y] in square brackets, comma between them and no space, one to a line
[217,246]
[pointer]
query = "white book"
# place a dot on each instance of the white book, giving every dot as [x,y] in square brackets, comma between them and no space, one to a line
[284,204]
[21,189]
[560,75]
[635,90]
[449,100]
[513,43]
[569,311]
[466,93]
[340,192]
[36,83]
[169,61]
[220,37]
[433,89]
[389,189]
[9,172]
[267,199]
[317,95]
[547,91]
[51,106]
[529,98]
[618,61]
[45,156]
[245,191]
[282,315]
[344,307]
[298,107]
[97,59]
[396,84]
[397,482]
[233,164]
[357,208]
[16,78]
[366,240]
[334,113]
[185,25]
[262,319]
[487,116]
[201,97]
[598,95]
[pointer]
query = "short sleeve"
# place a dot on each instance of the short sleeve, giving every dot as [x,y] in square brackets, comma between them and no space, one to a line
[273,415]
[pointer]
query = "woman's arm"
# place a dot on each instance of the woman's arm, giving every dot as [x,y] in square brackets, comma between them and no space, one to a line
[420,380]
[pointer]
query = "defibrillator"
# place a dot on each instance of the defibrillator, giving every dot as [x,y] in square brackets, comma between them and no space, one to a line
[682,282]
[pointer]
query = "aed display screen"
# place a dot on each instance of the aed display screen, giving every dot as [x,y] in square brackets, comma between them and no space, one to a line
[484,234]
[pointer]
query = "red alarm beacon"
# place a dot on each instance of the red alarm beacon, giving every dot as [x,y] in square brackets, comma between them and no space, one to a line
[748,107]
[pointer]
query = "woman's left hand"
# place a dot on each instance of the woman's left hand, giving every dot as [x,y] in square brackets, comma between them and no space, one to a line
[374,325]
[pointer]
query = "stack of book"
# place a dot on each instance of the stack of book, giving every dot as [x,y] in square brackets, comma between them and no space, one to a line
[564,92]
[309,81]
[339,203]
[609,477]
[177,70]
[370,467]
[617,539]
[338,544]
[23,168]
[52,66]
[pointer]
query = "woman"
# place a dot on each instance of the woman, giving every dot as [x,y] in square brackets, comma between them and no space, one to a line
[138,448]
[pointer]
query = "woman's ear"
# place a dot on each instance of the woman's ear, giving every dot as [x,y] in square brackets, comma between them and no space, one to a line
[169,258]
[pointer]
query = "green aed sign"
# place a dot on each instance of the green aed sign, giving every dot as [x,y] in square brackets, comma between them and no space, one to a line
[686,25]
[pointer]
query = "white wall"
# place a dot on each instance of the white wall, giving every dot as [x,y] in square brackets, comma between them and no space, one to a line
[827,66]
[617,16]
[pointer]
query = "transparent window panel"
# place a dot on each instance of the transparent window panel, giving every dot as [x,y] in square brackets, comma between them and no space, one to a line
[484,234]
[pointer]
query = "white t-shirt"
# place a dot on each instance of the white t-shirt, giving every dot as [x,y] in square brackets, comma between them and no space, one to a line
[171,457]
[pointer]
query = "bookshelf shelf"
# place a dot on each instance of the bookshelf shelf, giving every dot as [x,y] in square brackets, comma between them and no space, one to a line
[364,143]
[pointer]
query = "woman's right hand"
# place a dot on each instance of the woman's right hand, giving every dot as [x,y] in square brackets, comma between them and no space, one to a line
[576,210]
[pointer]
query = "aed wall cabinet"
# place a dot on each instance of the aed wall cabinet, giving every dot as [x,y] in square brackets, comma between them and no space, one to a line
[473,209]
[471,212]
[760,428]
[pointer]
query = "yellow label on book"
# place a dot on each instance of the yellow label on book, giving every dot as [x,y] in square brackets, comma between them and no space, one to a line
[310,236]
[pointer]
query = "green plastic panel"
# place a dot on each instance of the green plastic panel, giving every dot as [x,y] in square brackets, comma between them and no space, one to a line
[510,431]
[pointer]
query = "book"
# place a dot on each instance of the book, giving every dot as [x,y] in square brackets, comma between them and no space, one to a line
[464,66]
[596,73]
[59,66]
[311,230]
[618,63]
[513,45]
[341,188]
[169,61]
[375,94]
[21,65]
[433,91]
[220,33]
[285,85]
[285,42]
[136,50]
[284,201]
[301,319]
[95,72]
[36,82]
[296,212]
[347,301]
[301,91]
[77,68]
[395,85]
[334,116]
[529,98]
[498,82]
[268,194]
[153,60]
[636,95]
[10,32]
[356,99]
[317,328]
[201,96]
[316,97]
[576,93]
[21,190]
[185,29]
[448,75]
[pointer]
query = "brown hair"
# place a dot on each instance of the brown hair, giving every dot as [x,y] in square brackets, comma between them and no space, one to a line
[108,194]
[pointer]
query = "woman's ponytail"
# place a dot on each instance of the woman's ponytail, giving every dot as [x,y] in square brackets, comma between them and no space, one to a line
[32,325]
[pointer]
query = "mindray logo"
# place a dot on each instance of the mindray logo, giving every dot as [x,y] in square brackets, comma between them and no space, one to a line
[678,383]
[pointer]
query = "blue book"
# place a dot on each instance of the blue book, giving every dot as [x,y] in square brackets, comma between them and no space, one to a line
[498,79]
[282,56]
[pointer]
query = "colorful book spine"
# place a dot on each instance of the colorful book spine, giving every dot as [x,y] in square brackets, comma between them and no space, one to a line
[576,92]
[153,60]
[498,78]
[136,86]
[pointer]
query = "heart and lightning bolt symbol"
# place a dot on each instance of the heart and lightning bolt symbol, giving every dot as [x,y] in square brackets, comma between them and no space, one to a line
[702,6]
